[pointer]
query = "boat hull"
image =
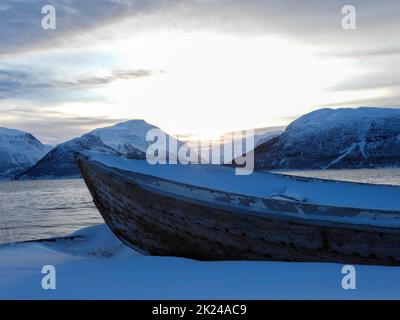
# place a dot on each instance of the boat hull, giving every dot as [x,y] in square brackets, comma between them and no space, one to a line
[151,216]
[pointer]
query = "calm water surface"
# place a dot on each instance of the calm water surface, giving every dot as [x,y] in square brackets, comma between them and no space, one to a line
[46,208]
[389,176]
[50,208]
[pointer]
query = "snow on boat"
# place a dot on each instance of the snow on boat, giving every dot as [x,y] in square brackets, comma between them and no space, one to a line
[207,213]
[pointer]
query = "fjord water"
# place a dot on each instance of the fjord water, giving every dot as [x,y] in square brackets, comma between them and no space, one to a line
[390,176]
[44,208]
[51,208]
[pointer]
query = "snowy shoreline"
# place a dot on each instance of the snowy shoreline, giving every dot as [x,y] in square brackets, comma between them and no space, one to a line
[93,264]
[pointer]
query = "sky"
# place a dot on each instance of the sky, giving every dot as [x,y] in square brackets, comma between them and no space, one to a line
[197,67]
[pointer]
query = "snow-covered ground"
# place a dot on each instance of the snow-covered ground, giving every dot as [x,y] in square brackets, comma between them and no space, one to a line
[95,265]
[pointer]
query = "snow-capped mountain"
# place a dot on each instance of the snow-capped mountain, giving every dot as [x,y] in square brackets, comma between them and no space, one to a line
[335,138]
[18,150]
[228,139]
[126,139]
[264,137]
[261,135]
[60,162]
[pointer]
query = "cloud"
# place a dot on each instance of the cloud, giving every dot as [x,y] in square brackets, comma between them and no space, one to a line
[30,83]
[115,75]
[382,71]
[373,81]
[20,21]
[392,101]
[315,22]
[367,52]
[46,124]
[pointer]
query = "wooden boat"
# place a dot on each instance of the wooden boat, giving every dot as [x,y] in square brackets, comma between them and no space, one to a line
[208,213]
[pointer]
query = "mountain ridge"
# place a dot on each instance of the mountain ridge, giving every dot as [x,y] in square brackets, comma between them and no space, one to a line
[362,137]
[126,139]
[18,150]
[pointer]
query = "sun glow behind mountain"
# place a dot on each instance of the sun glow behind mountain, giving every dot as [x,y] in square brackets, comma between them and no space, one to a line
[207,81]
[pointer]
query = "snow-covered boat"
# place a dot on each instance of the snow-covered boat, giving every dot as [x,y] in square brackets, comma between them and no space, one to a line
[208,213]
